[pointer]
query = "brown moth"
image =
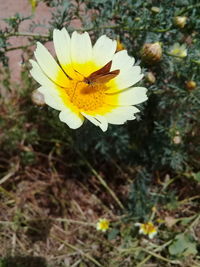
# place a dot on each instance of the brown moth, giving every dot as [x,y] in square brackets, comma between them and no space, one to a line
[102,75]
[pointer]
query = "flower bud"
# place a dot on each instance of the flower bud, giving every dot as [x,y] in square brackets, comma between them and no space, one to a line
[137,19]
[151,52]
[190,85]
[177,140]
[150,77]
[37,98]
[120,46]
[155,9]
[180,21]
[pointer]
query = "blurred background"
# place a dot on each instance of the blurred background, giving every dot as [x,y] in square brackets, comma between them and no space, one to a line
[56,183]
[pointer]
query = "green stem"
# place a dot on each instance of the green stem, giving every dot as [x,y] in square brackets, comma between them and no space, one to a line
[47,36]
[184,10]
[25,34]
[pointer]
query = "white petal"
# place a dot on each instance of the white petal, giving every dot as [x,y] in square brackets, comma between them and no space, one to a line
[49,66]
[104,50]
[131,96]
[81,48]
[62,46]
[39,75]
[141,231]
[51,98]
[103,122]
[125,79]
[151,236]
[97,120]
[120,115]
[121,60]
[72,119]
[137,224]
[49,89]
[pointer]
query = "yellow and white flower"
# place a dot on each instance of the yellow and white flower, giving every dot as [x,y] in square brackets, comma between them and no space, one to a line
[147,229]
[92,82]
[178,50]
[102,225]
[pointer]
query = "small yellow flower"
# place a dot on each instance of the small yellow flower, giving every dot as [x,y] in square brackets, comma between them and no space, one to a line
[102,225]
[178,50]
[147,229]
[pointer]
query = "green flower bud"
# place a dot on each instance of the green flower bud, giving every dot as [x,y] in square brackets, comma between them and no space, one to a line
[150,77]
[155,9]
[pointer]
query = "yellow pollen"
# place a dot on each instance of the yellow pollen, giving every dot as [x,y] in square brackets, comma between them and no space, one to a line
[86,97]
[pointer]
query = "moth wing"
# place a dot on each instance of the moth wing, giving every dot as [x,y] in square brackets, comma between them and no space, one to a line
[107,77]
[105,69]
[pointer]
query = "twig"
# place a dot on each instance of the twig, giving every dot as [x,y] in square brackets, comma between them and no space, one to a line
[160,257]
[6,177]
[18,47]
[31,34]
[5,192]
[74,221]
[78,250]
[189,199]
[25,34]
[141,264]
[102,181]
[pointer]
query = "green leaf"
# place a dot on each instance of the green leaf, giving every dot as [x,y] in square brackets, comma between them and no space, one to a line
[196,176]
[113,234]
[183,245]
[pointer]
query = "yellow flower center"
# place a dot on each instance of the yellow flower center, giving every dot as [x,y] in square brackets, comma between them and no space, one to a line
[86,97]
[148,228]
[103,224]
[176,51]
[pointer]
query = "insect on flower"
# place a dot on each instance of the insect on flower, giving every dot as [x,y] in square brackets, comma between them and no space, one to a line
[88,82]
[103,75]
